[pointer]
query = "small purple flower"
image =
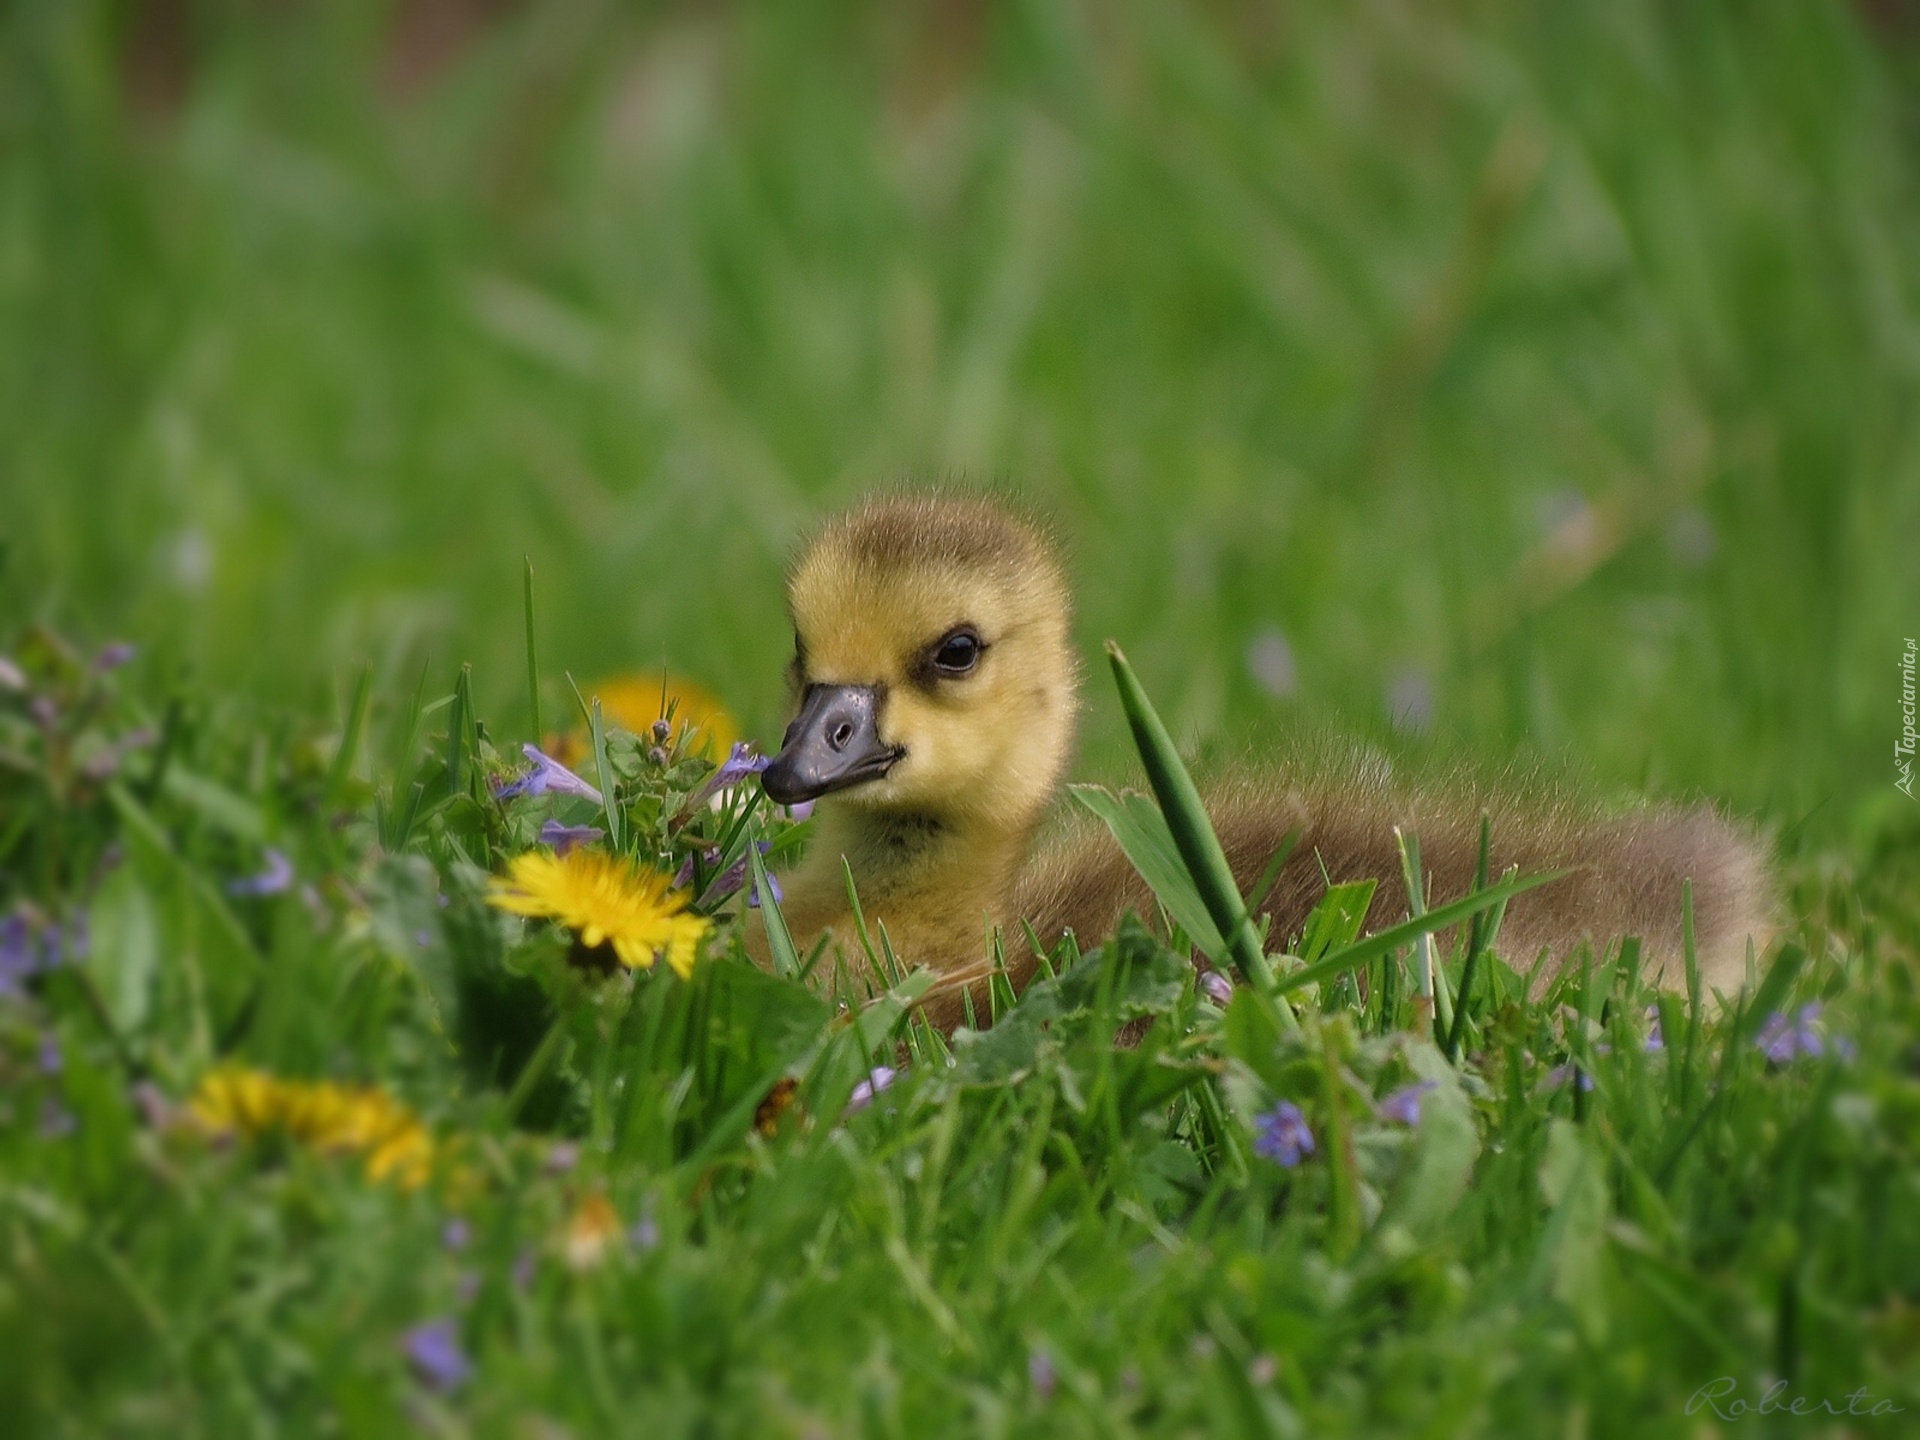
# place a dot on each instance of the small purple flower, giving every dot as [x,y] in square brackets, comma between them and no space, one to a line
[738,765]
[564,838]
[1784,1040]
[1282,1135]
[18,958]
[1655,1041]
[548,777]
[154,1107]
[113,657]
[1403,1104]
[56,1121]
[1563,1072]
[724,885]
[456,1233]
[645,1234]
[277,877]
[1216,987]
[1040,1372]
[881,1077]
[683,877]
[466,1286]
[523,1268]
[773,884]
[433,1349]
[101,766]
[562,1156]
[52,1061]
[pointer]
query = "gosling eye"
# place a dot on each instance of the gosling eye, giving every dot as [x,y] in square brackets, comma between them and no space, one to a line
[958,652]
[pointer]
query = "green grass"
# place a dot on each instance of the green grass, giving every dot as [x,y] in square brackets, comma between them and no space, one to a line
[1036,1232]
[1316,325]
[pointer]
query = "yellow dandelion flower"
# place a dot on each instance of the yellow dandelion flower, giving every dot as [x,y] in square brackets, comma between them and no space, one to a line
[405,1155]
[235,1102]
[633,702]
[605,900]
[594,1228]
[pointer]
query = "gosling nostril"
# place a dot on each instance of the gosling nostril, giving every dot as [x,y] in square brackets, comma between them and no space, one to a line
[842,734]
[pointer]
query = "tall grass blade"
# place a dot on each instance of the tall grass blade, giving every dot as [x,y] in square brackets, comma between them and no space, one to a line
[533,659]
[1192,832]
[786,960]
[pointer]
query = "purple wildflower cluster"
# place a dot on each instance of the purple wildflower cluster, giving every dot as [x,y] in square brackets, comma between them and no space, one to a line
[1403,1105]
[32,945]
[1655,1041]
[565,838]
[432,1348]
[879,1079]
[1040,1372]
[724,885]
[1282,1135]
[1563,1072]
[275,879]
[1783,1040]
[645,1233]
[547,777]
[739,764]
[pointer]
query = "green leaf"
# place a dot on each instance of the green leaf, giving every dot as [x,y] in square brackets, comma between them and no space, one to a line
[220,807]
[1442,1152]
[217,963]
[125,949]
[1336,920]
[1142,833]
[1567,1264]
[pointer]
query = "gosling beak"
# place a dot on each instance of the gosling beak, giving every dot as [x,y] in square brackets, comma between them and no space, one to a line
[833,743]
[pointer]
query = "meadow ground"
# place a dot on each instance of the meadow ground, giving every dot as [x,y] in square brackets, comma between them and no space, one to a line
[1477,382]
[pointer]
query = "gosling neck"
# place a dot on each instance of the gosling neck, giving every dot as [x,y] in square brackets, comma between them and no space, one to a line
[894,853]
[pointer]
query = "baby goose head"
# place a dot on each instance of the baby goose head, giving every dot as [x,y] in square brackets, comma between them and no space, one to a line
[933,670]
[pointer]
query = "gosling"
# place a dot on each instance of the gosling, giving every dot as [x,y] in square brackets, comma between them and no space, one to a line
[936,691]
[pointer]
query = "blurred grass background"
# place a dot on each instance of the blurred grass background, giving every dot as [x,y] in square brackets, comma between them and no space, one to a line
[1542,375]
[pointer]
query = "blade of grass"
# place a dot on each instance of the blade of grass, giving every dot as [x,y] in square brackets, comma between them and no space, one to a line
[597,729]
[1361,951]
[533,660]
[344,757]
[457,731]
[786,960]
[1186,818]
[1483,936]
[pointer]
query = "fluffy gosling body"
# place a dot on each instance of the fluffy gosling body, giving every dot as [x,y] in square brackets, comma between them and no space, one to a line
[936,690]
